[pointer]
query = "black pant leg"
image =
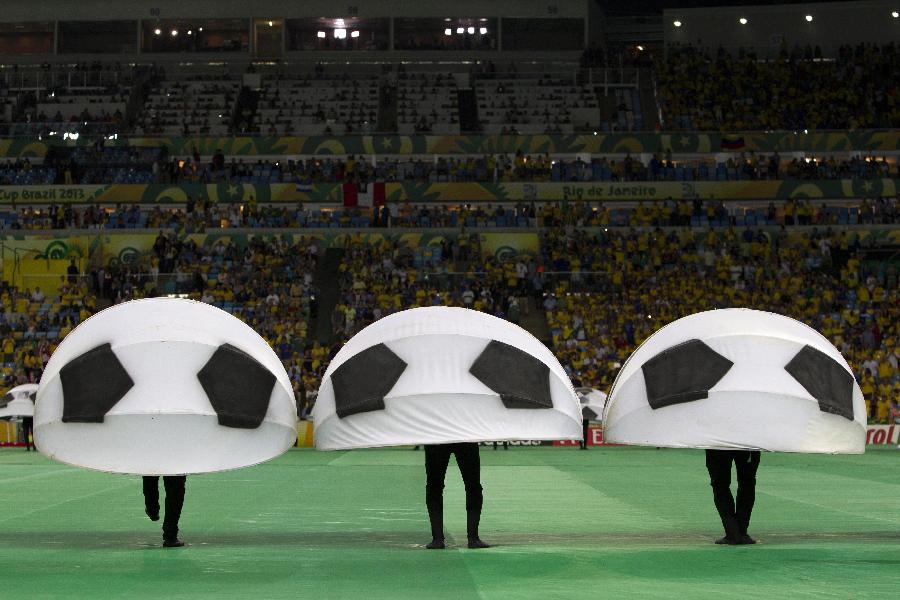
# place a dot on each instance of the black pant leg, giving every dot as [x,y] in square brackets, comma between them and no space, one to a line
[175,485]
[718,463]
[28,430]
[151,493]
[469,462]
[747,463]
[437,457]
[585,429]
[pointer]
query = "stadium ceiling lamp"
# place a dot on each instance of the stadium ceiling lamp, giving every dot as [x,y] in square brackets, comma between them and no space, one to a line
[640,48]
[271,24]
[482,30]
[320,35]
[895,14]
[174,33]
[460,30]
[470,31]
[676,23]
[190,32]
[340,34]
[742,20]
[157,31]
[354,34]
[448,31]
[809,18]
[199,29]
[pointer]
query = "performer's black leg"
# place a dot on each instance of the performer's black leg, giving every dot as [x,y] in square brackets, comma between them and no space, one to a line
[584,432]
[469,462]
[747,462]
[718,463]
[151,497]
[174,501]
[436,460]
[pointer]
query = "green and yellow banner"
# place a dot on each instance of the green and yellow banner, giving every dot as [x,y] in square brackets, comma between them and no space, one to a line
[241,193]
[602,143]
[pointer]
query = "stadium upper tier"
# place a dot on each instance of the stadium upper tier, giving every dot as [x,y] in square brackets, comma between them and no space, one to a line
[687,89]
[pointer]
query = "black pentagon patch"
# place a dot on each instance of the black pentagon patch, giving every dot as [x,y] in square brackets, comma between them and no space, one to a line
[588,414]
[238,387]
[521,380]
[683,373]
[92,384]
[825,380]
[5,400]
[361,383]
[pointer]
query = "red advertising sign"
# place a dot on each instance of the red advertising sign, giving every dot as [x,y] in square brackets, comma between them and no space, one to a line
[882,435]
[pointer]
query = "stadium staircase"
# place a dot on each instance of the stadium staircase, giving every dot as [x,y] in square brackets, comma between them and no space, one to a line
[245,108]
[468,110]
[387,107]
[649,108]
[534,320]
[328,286]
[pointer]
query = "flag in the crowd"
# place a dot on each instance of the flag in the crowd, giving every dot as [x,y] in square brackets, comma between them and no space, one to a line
[371,194]
[732,142]
[304,187]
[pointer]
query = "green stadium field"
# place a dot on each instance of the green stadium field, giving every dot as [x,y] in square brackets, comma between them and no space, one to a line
[610,522]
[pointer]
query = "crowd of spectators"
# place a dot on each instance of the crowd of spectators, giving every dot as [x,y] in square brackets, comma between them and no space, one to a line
[613,289]
[267,282]
[602,291]
[203,214]
[703,90]
[125,164]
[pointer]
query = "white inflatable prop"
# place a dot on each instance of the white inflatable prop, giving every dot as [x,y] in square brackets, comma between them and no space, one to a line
[438,375]
[593,401]
[737,378]
[19,401]
[164,386]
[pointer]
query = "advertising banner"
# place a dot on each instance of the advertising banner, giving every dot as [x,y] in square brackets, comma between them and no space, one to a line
[882,435]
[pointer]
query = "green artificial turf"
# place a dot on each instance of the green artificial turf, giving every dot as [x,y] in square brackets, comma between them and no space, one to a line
[609,522]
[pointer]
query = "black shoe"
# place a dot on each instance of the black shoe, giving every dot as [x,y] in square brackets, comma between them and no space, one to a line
[727,541]
[477,543]
[174,543]
[153,514]
[746,539]
[436,545]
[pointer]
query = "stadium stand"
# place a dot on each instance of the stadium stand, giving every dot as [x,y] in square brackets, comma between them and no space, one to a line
[701,90]
[188,108]
[529,106]
[427,103]
[314,106]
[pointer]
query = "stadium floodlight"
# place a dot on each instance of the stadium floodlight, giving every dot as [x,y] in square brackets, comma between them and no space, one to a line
[174,33]
[271,24]
[157,31]
[470,31]
[354,34]
[320,35]
[199,29]
[676,23]
[340,34]
[448,31]
[460,30]
[809,18]
[190,32]
[742,20]
[895,14]
[640,48]
[483,31]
